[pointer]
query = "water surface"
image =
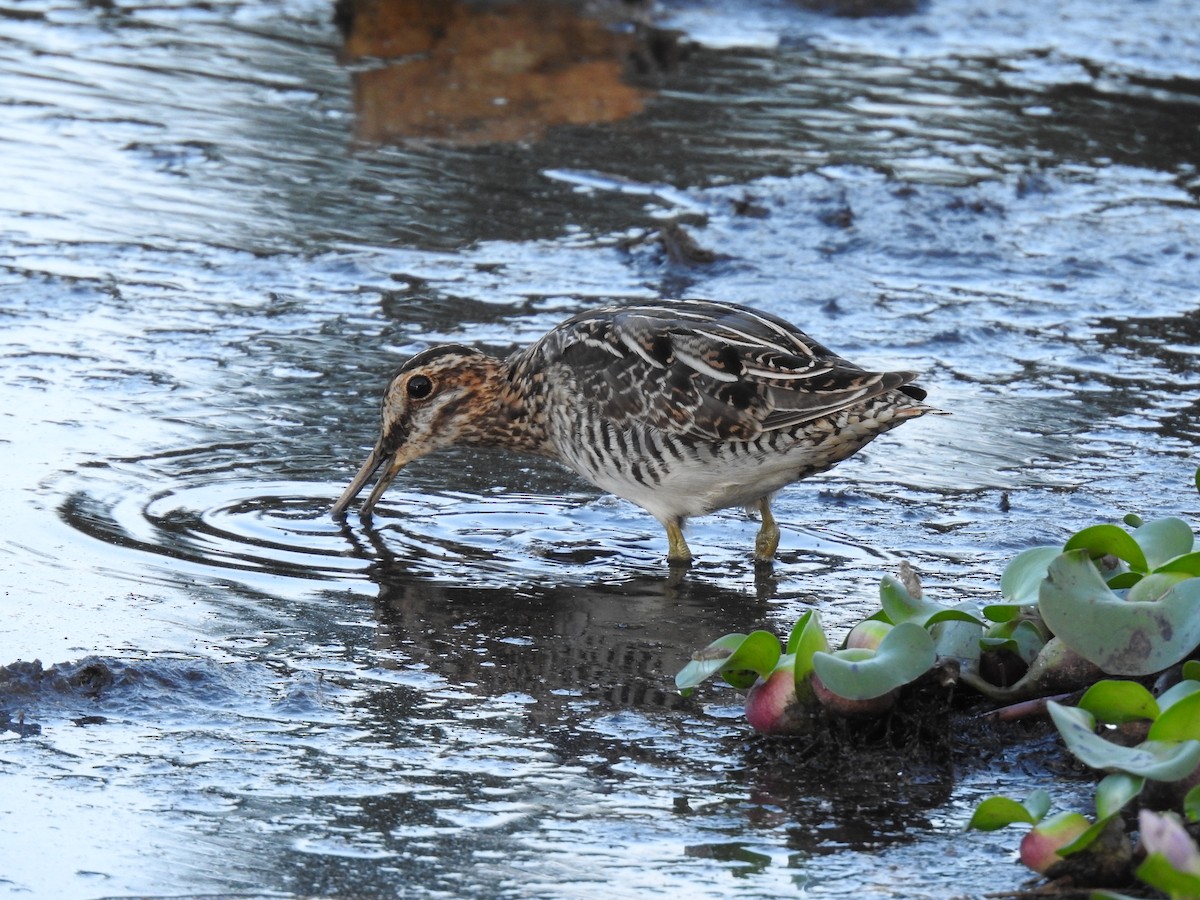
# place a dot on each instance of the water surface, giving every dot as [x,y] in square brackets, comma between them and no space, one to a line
[206,278]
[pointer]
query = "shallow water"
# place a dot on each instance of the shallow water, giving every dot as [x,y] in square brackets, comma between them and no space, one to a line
[206,280]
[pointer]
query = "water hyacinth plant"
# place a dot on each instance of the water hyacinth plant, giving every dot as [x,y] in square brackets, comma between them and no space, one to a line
[1172,863]
[1170,754]
[1114,600]
[788,685]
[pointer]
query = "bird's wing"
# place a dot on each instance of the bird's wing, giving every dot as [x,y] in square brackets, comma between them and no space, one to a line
[705,371]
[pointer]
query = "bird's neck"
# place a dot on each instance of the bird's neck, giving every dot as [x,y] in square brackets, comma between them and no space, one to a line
[514,419]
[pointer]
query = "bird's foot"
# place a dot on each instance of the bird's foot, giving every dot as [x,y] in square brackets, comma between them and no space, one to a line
[767,541]
[678,552]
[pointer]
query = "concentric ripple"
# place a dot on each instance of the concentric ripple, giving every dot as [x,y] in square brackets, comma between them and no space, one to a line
[277,527]
[232,526]
[264,532]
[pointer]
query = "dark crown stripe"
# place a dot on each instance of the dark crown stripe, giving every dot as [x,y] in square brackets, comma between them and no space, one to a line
[425,357]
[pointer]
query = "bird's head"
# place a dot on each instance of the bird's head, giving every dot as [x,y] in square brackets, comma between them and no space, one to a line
[440,397]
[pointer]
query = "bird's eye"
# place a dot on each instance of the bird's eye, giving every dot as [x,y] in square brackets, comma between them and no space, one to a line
[419,387]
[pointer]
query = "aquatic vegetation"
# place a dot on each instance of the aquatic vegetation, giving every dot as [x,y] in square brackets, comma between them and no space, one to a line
[778,678]
[1172,863]
[1123,600]
[788,685]
[1112,601]
[1068,842]
[862,674]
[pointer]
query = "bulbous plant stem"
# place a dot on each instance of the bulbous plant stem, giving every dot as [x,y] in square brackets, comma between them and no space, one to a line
[1056,668]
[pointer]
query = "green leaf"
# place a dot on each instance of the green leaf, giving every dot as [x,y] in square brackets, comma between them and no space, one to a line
[1191,804]
[1115,791]
[898,604]
[956,638]
[1123,580]
[1198,478]
[707,662]
[1086,839]
[1189,564]
[740,658]
[1023,576]
[901,606]
[1020,637]
[905,654]
[1121,638]
[1119,701]
[1004,612]
[806,638]
[754,659]
[1158,872]
[1038,804]
[1154,586]
[1164,539]
[953,614]
[1109,540]
[1157,760]
[997,812]
[1030,639]
[1178,722]
[1177,692]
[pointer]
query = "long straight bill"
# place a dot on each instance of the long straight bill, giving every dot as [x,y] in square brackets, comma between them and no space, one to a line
[368,470]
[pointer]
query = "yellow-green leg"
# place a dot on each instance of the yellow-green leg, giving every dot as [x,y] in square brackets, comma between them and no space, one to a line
[677,548]
[767,541]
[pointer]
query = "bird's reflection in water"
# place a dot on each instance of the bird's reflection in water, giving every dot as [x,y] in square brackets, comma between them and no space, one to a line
[619,639]
[592,667]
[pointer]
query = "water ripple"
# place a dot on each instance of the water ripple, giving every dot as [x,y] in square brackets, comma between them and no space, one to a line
[255,526]
[249,529]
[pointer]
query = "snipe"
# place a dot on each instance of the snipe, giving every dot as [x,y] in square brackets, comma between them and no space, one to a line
[682,407]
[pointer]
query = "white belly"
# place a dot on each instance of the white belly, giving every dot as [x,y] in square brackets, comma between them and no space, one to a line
[672,489]
[673,480]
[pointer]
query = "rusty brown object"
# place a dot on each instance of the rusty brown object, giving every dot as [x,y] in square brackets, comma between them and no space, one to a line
[481,73]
